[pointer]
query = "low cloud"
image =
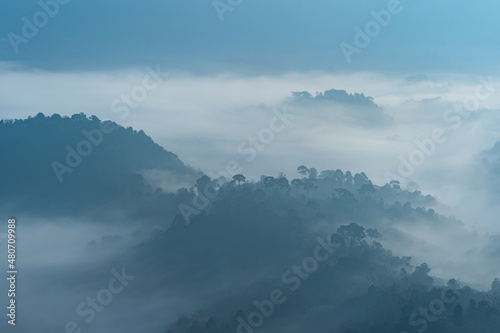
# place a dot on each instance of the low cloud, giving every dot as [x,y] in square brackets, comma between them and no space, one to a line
[203,119]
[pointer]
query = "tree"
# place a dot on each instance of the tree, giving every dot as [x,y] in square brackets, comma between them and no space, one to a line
[373,234]
[313,173]
[303,170]
[366,188]
[327,174]
[353,233]
[337,239]
[79,116]
[453,284]
[395,184]
[348,177]
[420,275]
[297,183]
[360,179]
[495,289]
[495,286]
[269,182]
[309,184]
[339,176]
[282,184]
[201,183]
[344,194]
[239,178]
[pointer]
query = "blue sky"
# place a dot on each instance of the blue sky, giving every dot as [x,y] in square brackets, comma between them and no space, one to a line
[257,36]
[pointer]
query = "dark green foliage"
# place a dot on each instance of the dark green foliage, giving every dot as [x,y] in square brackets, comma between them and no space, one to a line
[108,176]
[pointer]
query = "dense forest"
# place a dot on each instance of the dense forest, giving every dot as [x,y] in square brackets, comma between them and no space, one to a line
[310,252]
[268,232]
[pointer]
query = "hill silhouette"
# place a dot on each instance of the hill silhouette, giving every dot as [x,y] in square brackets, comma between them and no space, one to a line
[71,163]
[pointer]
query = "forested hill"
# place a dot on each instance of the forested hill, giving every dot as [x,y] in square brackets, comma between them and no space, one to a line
[279,256]
[70,163]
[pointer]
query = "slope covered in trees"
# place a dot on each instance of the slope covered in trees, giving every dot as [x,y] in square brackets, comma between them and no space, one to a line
[306,255]
[69,163]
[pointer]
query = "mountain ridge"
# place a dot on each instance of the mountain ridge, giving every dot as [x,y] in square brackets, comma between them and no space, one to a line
[64,159]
